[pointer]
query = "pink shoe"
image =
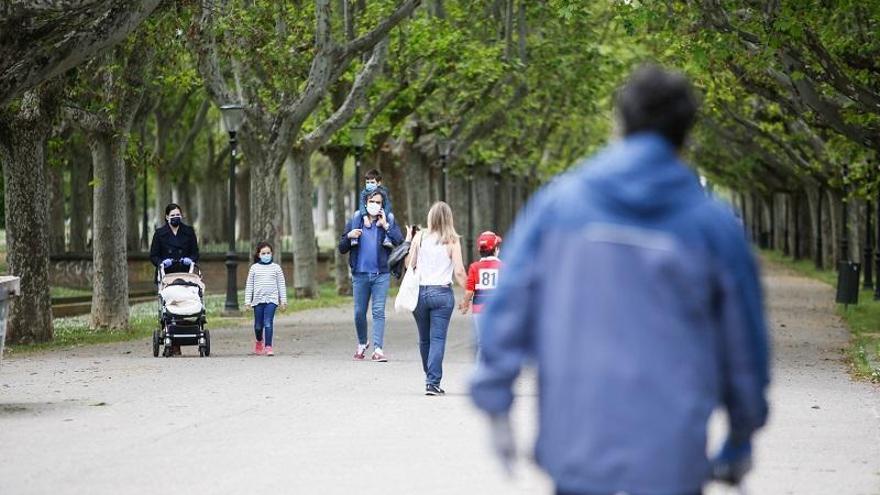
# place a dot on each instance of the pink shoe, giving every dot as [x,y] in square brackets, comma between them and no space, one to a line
[258,347]
[269,351]
[360,354]
[379,356]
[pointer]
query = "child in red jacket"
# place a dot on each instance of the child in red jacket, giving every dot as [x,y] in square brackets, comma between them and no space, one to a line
[481,281]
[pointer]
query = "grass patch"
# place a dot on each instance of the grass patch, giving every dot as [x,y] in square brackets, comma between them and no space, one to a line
[74,331]
[863,319]
[67,292]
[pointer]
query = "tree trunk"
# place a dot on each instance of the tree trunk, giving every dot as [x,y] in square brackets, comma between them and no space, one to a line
[110,289]
[337,182]
[23,154]
[323,206]
[305,253]
[163,197]
[80,202]
[133,231]
[417,186]
[56,210]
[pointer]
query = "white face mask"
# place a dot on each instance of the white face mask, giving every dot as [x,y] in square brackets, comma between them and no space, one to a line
[373,209]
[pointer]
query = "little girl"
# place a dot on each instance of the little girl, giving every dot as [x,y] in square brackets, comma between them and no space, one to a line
[264,292]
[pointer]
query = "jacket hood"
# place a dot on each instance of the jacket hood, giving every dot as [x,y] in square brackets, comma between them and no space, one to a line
[642,175]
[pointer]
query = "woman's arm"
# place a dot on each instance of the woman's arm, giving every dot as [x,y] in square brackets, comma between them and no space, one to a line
[458,265]
[194,254]
[155,249]
[282,287]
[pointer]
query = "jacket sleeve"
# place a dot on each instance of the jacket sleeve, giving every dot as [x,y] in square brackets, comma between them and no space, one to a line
[472,278]
[508,318]
[194,245]
[394,234]
[155,249]
[744,343]
[282,287]
[344,242]
[249,288]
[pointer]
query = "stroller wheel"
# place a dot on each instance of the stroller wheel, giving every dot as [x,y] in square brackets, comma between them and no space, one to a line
[155,343]
[166,352]
[205,350]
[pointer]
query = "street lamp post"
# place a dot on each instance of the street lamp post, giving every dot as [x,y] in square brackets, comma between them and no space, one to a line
[358,138]
[233,115]
[444,148]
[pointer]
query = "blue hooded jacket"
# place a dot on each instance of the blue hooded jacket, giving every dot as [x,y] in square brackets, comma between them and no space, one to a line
[639,300]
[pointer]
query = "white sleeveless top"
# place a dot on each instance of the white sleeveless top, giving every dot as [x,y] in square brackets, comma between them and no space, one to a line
[434,265]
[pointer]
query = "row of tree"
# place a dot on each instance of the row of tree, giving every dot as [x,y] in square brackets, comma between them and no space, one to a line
[102,97]
[790,123]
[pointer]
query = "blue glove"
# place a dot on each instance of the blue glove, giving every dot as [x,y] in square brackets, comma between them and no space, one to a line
[187,261]
[167,262]
[733,462]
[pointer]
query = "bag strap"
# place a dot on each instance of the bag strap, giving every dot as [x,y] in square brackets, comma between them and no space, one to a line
[415,255]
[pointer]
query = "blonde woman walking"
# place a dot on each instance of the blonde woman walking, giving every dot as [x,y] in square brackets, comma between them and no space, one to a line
[437,253]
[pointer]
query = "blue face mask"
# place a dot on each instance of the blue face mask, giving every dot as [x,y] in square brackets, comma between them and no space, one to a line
[265,258]
[371,186]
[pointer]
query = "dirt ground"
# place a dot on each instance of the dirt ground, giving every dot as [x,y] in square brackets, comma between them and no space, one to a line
[113,419]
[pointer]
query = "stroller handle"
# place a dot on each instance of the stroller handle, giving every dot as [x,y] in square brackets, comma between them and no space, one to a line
[161,271]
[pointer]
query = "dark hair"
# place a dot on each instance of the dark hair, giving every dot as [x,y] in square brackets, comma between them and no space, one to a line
[373,174]
[659,100]
[488,252]
[171,207]
[260,246]
[375,193]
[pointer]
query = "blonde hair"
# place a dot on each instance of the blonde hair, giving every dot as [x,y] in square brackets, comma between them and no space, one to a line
[440,222]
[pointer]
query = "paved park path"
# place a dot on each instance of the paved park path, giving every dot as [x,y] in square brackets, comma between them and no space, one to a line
[113,419]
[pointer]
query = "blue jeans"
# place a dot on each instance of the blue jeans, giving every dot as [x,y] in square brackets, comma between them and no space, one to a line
[432,315]
[478,337]
[364,286]
[264,315]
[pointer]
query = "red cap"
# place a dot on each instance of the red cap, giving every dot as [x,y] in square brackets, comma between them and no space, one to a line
[488,241]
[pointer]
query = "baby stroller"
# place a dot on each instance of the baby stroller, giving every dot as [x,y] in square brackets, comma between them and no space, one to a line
[181,310]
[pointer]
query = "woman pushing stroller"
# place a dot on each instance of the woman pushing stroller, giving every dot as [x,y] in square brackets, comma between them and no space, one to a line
[174,246]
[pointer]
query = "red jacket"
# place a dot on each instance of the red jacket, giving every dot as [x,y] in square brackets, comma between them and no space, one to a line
[482,279]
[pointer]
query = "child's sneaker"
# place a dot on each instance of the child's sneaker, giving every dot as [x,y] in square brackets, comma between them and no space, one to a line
[269,351]
[379,356]
[354,242]
[367,221]
[258,347]
[387,243]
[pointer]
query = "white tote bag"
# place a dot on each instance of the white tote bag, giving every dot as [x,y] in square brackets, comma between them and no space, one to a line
[408,296]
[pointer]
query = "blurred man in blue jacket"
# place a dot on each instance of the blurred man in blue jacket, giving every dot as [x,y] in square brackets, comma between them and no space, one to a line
[638,299]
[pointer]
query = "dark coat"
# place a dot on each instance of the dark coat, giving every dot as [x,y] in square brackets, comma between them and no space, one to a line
[345,246]
[167,245]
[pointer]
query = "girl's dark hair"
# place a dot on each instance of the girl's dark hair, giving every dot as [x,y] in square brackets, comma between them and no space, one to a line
[171,207]
[260,246]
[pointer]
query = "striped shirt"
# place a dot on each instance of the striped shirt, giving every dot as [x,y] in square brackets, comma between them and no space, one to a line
[265,284]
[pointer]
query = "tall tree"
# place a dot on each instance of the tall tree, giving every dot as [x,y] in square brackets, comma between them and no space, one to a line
[24,130]
[40,39]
